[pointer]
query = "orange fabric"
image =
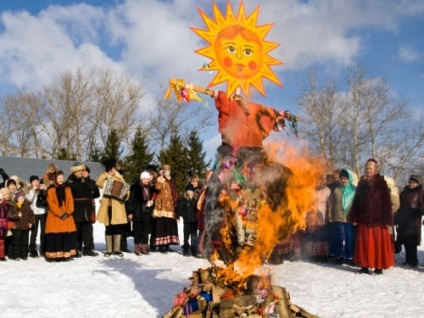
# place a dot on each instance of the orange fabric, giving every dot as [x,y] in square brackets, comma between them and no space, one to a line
[243,127]
[54,224]
[374,247]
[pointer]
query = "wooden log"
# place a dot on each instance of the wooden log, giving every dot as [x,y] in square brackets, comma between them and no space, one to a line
[283,306]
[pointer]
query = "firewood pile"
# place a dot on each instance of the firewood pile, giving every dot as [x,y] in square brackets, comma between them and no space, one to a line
[208,297]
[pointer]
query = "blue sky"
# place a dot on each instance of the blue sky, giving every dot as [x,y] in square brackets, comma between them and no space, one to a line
[152,41]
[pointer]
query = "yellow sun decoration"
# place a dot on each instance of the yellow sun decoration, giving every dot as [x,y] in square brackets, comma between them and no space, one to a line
[237,49]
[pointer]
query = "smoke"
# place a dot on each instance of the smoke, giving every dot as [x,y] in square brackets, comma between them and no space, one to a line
[255,199]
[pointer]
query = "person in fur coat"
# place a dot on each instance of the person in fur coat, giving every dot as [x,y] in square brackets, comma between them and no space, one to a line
[112,211]
[371,212]
[408,219]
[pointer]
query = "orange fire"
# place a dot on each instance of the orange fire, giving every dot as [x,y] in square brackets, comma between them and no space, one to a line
[271,223]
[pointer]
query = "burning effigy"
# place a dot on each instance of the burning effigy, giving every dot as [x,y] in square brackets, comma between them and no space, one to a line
[257,194]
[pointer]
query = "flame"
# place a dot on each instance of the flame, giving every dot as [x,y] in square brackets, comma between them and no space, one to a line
[265,223]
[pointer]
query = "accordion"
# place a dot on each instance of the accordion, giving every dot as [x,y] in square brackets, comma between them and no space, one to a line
[116,189]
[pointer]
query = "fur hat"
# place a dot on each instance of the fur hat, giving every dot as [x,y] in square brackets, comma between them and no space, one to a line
[414,178]
[145,175]
[109,164]
[16,178]
[77,166]
[51,168]
[32,178]
[5,191]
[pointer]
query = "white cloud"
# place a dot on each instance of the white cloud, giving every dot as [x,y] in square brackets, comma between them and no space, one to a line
[408,54]
[152,39]
[35,49]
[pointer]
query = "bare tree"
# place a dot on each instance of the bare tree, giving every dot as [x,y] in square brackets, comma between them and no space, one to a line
[170,117]
[365,121]
[117,98]
[322,118]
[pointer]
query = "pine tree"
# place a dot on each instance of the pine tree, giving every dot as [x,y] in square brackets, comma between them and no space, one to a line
[140,159]
[176,156]
[196,156]
[112,147]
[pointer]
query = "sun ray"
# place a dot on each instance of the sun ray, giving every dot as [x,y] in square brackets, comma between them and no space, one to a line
[237,49]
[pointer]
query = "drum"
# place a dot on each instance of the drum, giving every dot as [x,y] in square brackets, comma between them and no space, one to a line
[116,189]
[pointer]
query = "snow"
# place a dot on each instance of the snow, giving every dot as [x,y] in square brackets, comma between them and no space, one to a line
[144,286]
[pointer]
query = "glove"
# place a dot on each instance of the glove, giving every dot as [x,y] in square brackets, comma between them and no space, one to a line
[64,216]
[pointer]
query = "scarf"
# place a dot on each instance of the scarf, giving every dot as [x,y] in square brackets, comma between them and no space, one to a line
[348,193]
[60,193]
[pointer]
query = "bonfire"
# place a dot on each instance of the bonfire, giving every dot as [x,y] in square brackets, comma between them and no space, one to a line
[256,195]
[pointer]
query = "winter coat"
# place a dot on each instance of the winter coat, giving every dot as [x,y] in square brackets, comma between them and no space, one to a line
[32,196]
[136,204]
[167,198]
[187,209]
[4,218]
[408,218]
[119,214]
[22,222]
[371,204]
[335,210]
[83,193]
[54,222]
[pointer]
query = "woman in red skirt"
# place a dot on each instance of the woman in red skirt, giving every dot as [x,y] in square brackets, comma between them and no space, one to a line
[371,212]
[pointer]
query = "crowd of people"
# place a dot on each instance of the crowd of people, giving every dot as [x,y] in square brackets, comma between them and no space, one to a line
[359,223]
[58,213]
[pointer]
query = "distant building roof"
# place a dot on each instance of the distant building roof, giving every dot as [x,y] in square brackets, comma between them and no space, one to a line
[26,167]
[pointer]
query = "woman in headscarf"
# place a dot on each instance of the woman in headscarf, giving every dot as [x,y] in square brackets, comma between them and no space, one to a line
[372,212]
[59,245]
[342,233]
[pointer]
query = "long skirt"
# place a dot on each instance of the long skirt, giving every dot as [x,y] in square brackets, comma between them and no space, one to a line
[2,248]
[166,232]
[374,247]
[59,246]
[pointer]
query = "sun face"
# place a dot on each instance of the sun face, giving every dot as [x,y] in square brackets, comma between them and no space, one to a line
[238,50]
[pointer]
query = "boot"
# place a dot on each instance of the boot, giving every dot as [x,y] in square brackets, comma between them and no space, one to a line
[108,245]
[117,245]
[186,250]
[144,249]
[137,249]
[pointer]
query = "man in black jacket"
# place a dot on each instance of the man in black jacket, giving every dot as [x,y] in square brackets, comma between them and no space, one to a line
[84,191]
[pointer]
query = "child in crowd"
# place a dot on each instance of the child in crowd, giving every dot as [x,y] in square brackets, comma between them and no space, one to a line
[4,211]
[23,219]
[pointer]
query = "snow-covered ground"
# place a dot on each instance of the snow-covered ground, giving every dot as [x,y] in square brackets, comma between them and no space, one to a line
[145,286]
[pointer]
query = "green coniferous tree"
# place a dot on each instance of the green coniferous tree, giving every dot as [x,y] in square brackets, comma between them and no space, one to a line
[176,156]
[196,156]
[139,159]
[113,147]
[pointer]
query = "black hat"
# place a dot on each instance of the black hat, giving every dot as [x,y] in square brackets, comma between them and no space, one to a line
[32,178]
[189,188]
[109,164]
[414,178]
